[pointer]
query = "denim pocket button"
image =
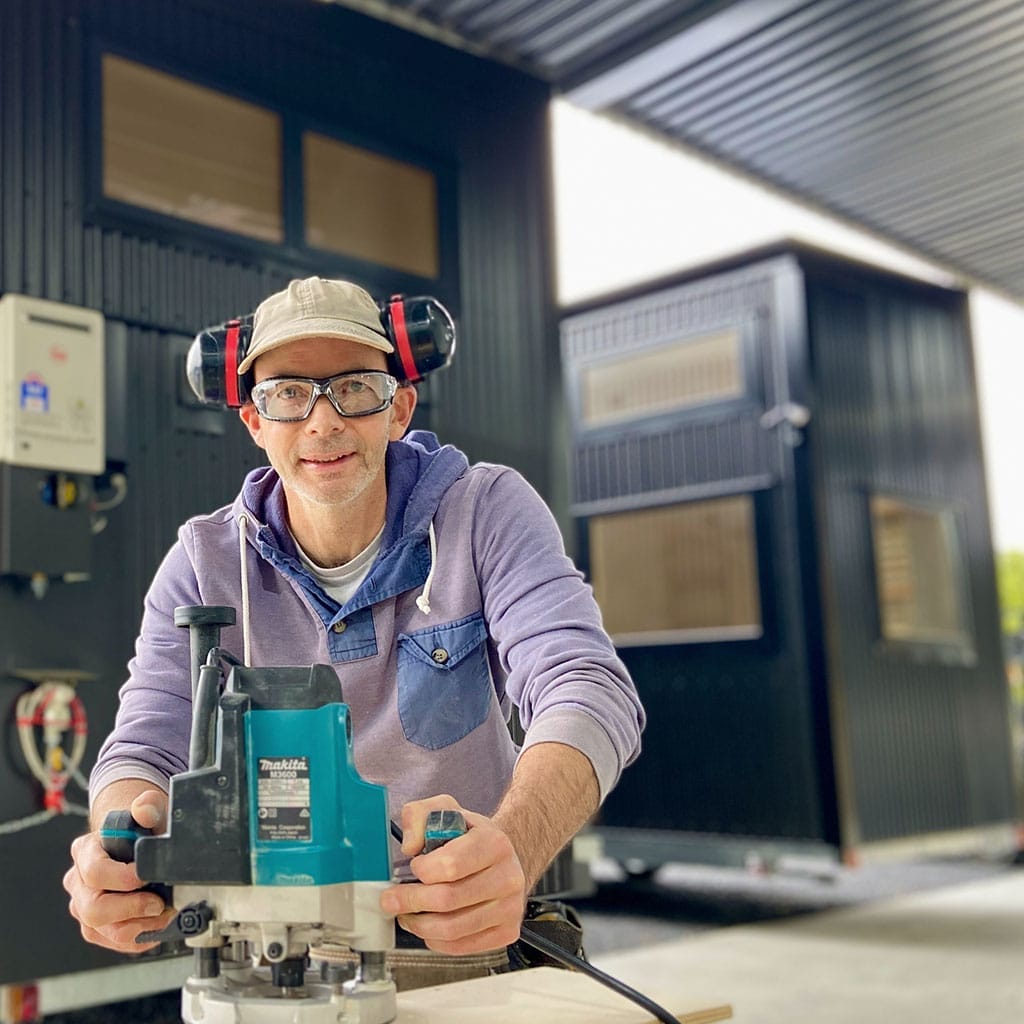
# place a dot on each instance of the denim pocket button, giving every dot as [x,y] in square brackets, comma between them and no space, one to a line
[440,655]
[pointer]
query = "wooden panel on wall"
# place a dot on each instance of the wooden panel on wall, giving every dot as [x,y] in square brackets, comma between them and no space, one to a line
[678,573]
[368,205]
[192,152]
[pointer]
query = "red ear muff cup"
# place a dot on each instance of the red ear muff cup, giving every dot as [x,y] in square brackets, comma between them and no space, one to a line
[212,364]
[231,381]
[423,334]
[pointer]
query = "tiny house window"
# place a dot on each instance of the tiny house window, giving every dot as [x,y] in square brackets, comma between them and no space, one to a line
[187,151]
[681,573]
[366,205]
[918,572]
[681,375]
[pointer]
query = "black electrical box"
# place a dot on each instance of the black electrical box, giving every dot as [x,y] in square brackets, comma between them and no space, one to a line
[37,535]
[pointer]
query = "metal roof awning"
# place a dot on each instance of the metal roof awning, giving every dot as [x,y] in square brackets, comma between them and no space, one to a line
[906,117]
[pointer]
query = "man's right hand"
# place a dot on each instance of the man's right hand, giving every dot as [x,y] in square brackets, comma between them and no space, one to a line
[106,897]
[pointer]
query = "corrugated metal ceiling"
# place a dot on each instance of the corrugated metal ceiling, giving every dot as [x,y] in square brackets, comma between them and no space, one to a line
[906,116]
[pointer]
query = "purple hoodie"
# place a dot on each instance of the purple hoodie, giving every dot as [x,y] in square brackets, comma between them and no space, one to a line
[510,621]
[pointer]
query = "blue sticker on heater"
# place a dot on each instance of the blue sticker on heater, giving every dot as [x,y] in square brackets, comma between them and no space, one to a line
[35,395]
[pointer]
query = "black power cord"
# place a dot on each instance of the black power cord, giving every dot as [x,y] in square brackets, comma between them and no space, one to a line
[575,963]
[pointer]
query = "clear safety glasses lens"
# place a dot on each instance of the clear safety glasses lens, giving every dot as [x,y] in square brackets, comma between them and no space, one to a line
[351,394]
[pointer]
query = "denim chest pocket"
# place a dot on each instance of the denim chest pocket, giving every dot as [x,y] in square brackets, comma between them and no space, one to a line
[444,683]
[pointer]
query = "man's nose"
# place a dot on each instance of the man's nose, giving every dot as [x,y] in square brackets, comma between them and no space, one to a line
[323,417]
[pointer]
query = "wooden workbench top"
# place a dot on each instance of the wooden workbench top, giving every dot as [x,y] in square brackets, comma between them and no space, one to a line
[541,995]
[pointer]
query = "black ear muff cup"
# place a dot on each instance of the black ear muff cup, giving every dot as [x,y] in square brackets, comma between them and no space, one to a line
[212,364]
[423,334]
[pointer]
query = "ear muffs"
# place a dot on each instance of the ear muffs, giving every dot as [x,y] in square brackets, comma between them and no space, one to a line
[211,365]
[420,329]
[423,334]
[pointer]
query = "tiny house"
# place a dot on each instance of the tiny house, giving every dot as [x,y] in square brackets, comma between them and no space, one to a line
[777,475]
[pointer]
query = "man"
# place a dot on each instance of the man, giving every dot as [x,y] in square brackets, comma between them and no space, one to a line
[440,593]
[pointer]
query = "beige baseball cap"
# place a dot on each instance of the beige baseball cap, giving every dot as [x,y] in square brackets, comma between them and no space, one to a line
[315,307]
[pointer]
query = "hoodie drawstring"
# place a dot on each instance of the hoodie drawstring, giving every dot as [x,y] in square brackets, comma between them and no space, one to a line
[423,601]
[246,653]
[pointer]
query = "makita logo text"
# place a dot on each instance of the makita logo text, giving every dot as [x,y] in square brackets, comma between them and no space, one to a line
[276,764]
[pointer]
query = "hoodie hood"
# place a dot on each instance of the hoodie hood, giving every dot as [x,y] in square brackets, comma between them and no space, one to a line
[419,472]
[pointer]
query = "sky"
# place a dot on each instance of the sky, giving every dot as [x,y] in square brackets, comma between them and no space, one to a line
[673,209]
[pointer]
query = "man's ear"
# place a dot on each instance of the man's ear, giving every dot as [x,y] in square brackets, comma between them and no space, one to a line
[402,409]
[251,418]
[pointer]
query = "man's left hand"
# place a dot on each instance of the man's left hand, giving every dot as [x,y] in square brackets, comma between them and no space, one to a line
[471,892]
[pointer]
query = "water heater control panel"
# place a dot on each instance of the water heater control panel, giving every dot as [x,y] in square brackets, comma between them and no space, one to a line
[52,411]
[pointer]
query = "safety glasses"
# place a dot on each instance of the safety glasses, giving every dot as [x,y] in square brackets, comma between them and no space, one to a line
[361,393]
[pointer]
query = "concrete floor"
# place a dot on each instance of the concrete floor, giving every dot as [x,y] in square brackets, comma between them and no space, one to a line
[682,899]
[940,942]
[924,943]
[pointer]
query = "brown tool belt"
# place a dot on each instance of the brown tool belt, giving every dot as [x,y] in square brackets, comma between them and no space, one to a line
[419,968]
[414,966]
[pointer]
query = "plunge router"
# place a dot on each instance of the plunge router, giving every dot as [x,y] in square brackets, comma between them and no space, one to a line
[275,847]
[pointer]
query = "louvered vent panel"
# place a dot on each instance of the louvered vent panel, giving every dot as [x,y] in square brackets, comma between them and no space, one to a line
[667,393]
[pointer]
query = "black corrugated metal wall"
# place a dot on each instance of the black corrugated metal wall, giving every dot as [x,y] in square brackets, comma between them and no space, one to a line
[896,413]
[156,284]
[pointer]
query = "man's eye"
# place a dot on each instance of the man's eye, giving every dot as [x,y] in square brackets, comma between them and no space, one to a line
[355,386]
[289,391]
